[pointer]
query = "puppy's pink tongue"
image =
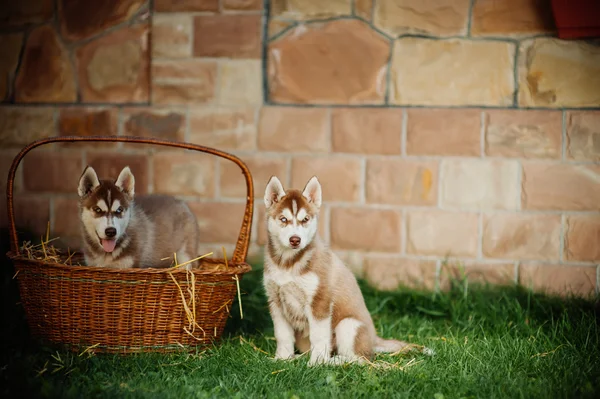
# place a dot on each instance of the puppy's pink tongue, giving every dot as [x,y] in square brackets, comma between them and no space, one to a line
[109,245]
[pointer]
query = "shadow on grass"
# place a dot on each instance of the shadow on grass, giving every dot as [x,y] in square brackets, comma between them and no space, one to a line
[491,307]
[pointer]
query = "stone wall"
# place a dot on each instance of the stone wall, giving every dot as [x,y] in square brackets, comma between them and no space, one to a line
[446,134]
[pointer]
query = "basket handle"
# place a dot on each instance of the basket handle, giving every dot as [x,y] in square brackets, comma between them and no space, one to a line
[243,241]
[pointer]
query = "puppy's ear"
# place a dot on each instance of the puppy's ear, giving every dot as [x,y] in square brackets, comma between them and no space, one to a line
[88,181]
[312,191]
[274,191]
[126,181]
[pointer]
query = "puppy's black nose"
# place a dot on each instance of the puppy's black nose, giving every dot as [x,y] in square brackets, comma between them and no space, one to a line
[295,241]
[110,232]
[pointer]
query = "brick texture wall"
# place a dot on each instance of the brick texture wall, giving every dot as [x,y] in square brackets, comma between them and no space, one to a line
[447,134]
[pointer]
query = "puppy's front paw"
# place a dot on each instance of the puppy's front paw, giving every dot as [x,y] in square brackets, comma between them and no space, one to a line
[317,361]
[284,355]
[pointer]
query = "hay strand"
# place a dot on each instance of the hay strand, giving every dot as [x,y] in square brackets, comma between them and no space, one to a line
[191,281]
[223,306]
[237,282]
[225,257]
[177,265]
[191,316]
[45,251]
[256,348]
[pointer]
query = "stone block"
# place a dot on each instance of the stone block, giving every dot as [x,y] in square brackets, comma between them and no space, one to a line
[46,73]
[452,72]
[332,72]
[547,78]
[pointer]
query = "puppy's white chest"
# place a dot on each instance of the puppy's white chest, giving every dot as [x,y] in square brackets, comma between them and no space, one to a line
[294,292]
[304,284]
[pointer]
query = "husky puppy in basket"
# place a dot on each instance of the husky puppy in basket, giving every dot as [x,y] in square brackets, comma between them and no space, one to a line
[314,299]
[121,232]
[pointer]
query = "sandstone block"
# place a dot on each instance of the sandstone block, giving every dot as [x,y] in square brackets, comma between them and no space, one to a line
[233,184]
[511,17]
[183,81]
[367,130]
[442,233]
[10,47]
[82,19]
[260,225]
[46,73]
[176,173]
[115,67]
[340,177]
[392,272]
[183,71]
[293,129]
[561,280]
[88,122]
[20,126]
[582,236]
[242,5]
[331,72]
[554,186]
[240,82]
[277,26]
[366,229]
[186,5]
[583,135]
[559,73]
[15,13]
[231,36]
[402,182]
[227,128]
[480,72]
[480,184]
[172,36]
[108,165]
[523,134]
[6,159]
[52,171]
[310,9]
[439,18]
[521,236]
[219,222]
[364,9]
[443,132]
[164,123]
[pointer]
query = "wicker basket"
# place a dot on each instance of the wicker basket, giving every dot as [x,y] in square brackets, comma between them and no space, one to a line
[131,310]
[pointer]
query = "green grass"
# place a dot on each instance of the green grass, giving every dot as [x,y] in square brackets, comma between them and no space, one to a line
[490,343]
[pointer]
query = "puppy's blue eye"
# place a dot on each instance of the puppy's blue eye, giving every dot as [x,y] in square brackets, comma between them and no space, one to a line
[97,210]
[119,210]
[283,219]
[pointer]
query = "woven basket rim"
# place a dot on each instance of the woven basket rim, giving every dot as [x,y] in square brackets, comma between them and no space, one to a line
[234,268]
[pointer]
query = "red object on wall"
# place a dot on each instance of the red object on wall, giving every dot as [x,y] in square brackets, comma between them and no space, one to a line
[577,18]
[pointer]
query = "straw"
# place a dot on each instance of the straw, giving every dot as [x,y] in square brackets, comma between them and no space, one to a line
[237,282]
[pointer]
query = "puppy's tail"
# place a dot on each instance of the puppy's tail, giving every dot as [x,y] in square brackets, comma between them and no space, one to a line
[393,345]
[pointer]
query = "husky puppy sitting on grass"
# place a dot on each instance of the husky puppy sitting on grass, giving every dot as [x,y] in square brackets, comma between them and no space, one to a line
[314,299]
[121,232]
